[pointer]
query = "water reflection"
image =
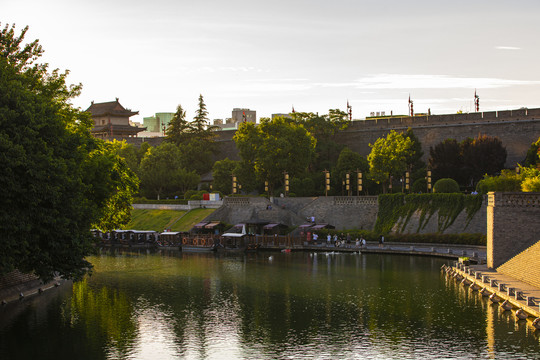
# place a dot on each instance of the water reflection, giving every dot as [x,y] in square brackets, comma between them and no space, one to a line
[300,305]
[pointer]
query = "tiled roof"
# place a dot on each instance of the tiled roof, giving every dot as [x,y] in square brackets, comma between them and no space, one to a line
[110,108]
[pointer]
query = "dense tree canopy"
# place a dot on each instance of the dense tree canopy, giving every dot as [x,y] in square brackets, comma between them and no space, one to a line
[467,162]
[57,181]
[273,147]
[446,160]
[162,173]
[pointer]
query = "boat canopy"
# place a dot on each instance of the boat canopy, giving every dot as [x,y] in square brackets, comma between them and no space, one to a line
[212,224]
[322,226]
[201,224]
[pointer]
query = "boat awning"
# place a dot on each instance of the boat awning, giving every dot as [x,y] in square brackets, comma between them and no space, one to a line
[305,226]
[212,224]
[239,225]
[322,226]
[170,233]
[201,224]
[270,226]
[233,235]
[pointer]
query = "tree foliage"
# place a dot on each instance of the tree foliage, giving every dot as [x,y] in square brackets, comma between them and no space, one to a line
[446,185]
[482,155]
[467,162]
[446,160]
[57,181]
[388,157]
[273,147]
[179,129]
[222,173]
[162,173]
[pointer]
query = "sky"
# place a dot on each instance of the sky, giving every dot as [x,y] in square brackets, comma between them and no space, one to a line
[271,56]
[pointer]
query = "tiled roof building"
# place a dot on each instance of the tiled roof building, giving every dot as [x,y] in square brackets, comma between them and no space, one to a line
[111,120]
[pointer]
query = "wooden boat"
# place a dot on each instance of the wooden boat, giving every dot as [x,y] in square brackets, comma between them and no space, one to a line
[494,298]
[536,323]
[199,244]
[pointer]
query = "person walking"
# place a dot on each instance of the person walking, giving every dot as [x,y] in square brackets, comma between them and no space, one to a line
[381,241]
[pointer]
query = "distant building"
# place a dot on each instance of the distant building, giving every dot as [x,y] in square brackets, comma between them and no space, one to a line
[244,115]
[156,123]
[111,120]
[239,116]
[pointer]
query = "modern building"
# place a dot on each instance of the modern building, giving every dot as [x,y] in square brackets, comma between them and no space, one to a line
[158,122]
[239,116]
[111,120]
[244,115]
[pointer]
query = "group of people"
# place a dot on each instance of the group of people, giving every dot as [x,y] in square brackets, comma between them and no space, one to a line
[342,240]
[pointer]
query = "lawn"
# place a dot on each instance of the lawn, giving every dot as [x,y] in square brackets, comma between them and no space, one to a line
[158,220]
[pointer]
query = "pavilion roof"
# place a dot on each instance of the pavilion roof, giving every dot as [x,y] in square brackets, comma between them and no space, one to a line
[110,108]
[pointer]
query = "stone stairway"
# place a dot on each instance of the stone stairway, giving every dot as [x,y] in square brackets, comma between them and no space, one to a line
[525,266]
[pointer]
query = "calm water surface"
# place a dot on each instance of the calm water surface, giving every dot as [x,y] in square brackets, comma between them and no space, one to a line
[263,306]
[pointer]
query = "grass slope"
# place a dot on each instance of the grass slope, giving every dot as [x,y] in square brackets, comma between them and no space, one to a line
[158,220]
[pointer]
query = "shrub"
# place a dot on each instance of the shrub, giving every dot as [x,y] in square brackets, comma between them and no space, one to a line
[419,186]
[508,181]
[446,186]
[188,194]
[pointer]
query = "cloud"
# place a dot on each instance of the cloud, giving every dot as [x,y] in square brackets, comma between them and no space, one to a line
[409,82]
[507,48]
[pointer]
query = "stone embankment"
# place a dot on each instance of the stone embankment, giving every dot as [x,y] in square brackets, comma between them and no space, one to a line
[510,294]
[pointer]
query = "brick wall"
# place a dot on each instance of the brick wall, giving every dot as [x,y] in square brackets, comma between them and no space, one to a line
[513,220]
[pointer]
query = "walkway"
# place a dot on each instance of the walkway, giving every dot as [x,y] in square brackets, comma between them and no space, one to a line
[520,294]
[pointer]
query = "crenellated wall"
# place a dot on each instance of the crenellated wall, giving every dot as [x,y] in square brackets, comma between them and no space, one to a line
[517,129]
[513,224]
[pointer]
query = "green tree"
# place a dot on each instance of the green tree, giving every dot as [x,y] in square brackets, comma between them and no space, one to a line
[222,173]
[417,166]
[349,162]
[482,155]
[275,146]
[179,129]
[57,181]
[446,161]
[533,154]
[161,172]
[324,129]
[388,157]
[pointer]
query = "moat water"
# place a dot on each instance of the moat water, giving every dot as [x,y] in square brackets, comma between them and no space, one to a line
[263,306]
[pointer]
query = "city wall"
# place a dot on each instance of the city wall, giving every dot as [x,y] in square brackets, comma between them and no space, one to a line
[517,129]
[513,224]
[343,212]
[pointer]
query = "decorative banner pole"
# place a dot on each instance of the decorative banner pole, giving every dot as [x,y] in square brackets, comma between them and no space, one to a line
[429,180]
[234,184]
[326,182]
[286,182]
[359,185]
[476,101]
